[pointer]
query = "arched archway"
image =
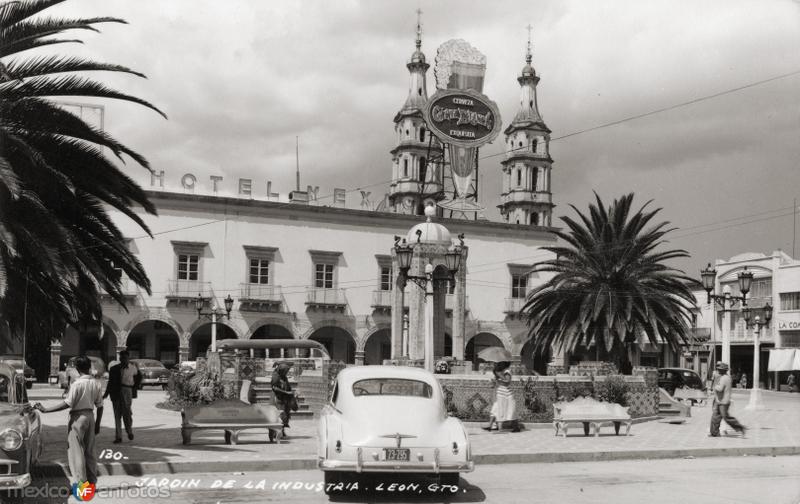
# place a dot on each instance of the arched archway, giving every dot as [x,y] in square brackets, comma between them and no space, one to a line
[340,344]
[154,339]
[200,340]
[478,343]
[535,362]
[378,347]
[91,341]
[270,331]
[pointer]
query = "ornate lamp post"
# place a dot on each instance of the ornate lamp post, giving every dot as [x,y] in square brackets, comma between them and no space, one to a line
[755,393]
[199,303]
[405,253]
[726,302]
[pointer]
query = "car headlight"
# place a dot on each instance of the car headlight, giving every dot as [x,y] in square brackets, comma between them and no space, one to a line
[10,439]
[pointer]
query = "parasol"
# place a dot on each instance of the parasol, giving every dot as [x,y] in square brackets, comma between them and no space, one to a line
[495,354]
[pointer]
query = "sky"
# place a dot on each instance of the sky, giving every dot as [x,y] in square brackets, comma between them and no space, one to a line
[241,80]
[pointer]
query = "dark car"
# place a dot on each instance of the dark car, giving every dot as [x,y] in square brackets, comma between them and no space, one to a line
[153,372]
[671,379]
[19,364]
[20,431]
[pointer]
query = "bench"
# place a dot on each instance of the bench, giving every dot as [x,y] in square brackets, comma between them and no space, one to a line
[590,413]
[231,416]
[690,396]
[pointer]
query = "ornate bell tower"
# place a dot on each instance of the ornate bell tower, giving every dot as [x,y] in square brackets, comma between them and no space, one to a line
[416,169]
[526,198]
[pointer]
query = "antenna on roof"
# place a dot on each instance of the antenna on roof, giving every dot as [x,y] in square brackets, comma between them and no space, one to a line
[297,159]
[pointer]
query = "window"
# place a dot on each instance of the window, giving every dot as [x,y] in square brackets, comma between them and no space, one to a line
[519,286]
[535,176]
[392,387]
[422,134]
[534,219]
[423,169]
[259,271]
[534,145]
[405,167]
[323,278]
[188,266]
[790,300]
[386,278]
[519,176]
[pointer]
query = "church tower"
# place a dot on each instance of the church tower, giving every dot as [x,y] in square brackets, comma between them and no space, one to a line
[416,161]
[526,198]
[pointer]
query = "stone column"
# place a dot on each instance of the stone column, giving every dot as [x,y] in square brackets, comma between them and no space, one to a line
[460,308]
[397,316]
[359,357]
[55,359]
[183,354]
[118,350]
[416,310]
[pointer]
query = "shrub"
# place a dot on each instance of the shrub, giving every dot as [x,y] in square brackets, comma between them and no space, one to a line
[615,389]
[191,389]
[532,401]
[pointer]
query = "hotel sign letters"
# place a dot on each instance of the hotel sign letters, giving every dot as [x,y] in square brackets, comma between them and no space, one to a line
[462,117]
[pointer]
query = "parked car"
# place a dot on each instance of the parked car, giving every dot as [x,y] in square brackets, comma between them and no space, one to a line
[386,419]
[20,431]
[153,372]
[19,364]
[70,374]
[672,379]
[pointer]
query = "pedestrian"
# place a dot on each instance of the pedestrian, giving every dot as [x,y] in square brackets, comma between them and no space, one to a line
[743,381]
[790,382]
[503,410]
[83,396]
[722,402]
[123,380]
[284,396]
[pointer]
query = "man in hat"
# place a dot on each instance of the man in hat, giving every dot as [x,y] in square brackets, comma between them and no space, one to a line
[284,395]
[722,402]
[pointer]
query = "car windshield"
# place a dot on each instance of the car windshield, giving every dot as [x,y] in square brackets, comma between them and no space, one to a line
[392,387]
[3,389]
[149,363]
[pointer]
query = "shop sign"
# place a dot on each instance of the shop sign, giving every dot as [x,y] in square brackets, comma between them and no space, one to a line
[788,322]
[462,117]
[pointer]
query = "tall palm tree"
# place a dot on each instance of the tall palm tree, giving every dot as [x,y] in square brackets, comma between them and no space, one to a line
[58,245]
[610,286]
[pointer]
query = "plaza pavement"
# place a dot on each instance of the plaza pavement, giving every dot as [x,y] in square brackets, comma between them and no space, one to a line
[157,446]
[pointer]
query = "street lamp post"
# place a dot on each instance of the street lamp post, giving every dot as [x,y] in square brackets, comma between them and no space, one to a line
[755,393]
[726,302]
[199,303]
[405,253]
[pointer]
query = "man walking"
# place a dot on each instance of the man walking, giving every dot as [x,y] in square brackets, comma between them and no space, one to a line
[123,378]
[722,402]
[83,396]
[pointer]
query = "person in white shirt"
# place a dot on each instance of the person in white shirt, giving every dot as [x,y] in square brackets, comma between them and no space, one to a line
[722,402]
[84,395]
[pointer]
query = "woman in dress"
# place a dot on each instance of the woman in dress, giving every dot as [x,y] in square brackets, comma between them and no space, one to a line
[504,408]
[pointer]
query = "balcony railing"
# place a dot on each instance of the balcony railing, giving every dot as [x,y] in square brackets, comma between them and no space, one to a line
[188,289]
[316,296]
[260,292]
[514,305]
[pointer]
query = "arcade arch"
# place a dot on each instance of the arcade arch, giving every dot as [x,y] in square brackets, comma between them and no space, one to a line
[154,339]
[339,342]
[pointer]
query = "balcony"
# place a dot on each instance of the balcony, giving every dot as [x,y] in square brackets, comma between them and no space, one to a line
[261,298]
[184,292]
[513,306]
[324,299]
[519,195]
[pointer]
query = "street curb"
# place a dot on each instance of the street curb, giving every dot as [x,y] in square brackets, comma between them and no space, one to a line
[151,468]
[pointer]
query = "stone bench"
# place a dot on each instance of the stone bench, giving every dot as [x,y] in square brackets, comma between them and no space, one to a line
[231,416]
[590,413]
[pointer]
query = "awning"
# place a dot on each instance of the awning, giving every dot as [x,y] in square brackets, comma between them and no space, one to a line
[784,359]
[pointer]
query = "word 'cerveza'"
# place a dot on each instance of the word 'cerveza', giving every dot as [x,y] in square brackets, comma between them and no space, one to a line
[463,116]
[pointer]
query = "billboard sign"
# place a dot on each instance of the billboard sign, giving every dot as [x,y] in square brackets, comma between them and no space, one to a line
[462,117]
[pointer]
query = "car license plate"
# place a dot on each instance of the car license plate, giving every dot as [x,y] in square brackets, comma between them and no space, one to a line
[398,454]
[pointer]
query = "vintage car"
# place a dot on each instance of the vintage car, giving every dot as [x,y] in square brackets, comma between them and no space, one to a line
[386,419]
[18,363]
[70,374]
[20,431]
[153,372]
[683,384]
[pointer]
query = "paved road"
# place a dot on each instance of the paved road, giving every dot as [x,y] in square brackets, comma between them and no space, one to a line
[737,480]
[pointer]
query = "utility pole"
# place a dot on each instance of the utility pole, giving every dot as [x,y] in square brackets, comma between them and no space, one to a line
[297,159]
[794,226]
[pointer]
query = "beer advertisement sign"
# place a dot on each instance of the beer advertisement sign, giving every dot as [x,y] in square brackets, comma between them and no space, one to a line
[462,117]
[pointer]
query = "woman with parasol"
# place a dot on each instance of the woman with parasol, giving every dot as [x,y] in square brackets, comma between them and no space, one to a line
[503,410]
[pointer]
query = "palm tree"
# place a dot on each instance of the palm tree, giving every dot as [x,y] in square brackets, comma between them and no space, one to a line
[58,245]
[610,286]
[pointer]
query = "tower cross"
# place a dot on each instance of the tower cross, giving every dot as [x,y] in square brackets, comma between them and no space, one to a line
[528,56]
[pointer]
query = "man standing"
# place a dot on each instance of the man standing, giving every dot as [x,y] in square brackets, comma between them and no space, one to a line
[722,402]
[83,396]
[123,379]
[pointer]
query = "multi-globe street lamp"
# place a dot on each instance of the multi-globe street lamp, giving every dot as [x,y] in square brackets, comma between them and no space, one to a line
[405,253]
[726,302]
[200,302]
[755,393]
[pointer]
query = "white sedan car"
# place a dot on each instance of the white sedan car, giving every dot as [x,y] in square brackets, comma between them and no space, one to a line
[390,419]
